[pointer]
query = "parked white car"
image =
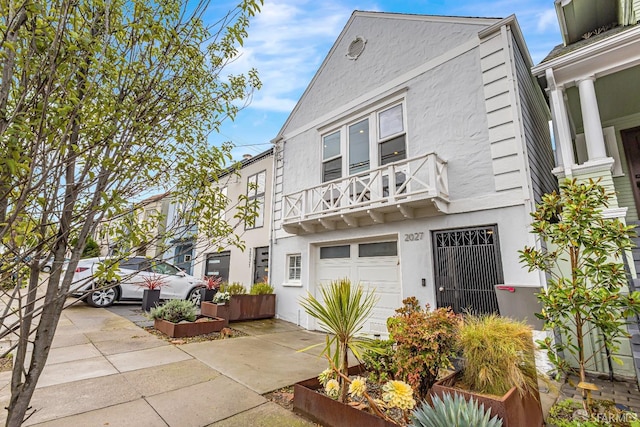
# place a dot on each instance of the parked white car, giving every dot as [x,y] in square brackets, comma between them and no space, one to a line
[132,274]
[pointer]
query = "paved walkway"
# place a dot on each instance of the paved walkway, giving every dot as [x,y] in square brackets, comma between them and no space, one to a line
[104,370]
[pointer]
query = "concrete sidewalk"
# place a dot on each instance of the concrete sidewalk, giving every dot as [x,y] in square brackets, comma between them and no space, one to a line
[105,370]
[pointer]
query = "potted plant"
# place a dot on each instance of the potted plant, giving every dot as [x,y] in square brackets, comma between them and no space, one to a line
[178,319]
[498,369]
[453,411]
[151,292]
[218,307]
[424,343]
[342,312]
[259,303]
[211,286]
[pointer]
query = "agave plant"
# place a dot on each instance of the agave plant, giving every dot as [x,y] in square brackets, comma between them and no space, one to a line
[342,311]
[453,412]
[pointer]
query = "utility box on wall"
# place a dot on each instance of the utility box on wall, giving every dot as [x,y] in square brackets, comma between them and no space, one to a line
[519,302]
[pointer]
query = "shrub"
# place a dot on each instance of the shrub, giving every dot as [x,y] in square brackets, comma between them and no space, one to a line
[235,288]
[175,310]
[453,412]
[425,342]
[261,288]
[379,361]
[221,297]
[498,354]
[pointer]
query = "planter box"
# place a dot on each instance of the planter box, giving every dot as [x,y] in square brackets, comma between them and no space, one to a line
[211,309]
[514,409]
[207,294]
[328,412]
[189,329]
[150,299]
[250,307]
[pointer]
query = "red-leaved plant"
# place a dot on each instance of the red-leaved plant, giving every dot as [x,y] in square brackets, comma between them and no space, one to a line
[212,282]
[152,282]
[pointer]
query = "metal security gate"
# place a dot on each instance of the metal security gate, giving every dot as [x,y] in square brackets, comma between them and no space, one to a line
[467,266]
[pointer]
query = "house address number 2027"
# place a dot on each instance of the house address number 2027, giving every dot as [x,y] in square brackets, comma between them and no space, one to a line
[412,237]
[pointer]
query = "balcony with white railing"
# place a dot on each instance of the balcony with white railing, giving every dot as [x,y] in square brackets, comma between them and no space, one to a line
[408,188]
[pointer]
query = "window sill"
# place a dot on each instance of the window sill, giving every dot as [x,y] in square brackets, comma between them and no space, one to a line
[292,284]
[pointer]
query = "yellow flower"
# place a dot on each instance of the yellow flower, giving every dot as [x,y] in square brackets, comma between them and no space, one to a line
[358,386]
[325,376]
[398,394]
[332,389]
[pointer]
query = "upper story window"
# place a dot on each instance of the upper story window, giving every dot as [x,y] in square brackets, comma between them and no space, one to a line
[347,148]
[256,185]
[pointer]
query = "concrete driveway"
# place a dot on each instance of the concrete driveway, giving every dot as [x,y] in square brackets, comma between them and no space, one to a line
[103,370]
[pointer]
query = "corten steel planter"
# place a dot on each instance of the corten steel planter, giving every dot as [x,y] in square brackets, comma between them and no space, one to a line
[250,307]
[328,412]
[514,409]
[207,294]
[211,309]
[189,329]
[150,299]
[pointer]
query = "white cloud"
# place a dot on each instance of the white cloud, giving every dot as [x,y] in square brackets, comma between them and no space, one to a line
[287,42]
[547,20]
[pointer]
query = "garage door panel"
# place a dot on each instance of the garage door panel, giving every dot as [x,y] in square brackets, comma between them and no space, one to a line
[381,274]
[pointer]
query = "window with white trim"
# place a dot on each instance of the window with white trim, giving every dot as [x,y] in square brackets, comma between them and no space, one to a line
[294,263]
[255,192]
[347,148]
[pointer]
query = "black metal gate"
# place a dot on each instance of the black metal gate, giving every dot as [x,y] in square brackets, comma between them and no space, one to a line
[467,266]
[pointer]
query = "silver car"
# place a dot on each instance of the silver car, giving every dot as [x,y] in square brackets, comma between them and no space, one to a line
[133,273]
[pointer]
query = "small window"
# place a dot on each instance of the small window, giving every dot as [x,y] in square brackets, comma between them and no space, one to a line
[366,250]
[390,122]
[295,266]
[392,150]
[331,146]
[332,169]
[329,252]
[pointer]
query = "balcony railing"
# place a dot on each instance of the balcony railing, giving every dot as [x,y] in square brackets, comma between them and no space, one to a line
[418,178]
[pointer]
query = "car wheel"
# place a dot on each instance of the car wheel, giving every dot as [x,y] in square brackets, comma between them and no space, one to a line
[195,296]
[102,297]
[46,269]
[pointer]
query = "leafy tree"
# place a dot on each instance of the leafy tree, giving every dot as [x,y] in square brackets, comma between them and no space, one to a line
[586,286]
[102,102]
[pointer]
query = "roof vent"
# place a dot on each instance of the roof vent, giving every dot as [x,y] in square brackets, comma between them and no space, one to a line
[247,156]
[356,48]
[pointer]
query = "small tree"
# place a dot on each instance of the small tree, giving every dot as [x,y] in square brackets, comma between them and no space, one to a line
[342,312]
[582,256]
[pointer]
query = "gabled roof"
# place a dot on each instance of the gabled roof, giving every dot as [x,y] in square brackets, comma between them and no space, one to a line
[380,15]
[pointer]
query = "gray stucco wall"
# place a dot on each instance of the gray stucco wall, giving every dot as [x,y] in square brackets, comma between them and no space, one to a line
[394,46]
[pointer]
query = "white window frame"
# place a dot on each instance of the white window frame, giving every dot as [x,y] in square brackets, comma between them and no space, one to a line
[372,114]
[293,281]
[259,194]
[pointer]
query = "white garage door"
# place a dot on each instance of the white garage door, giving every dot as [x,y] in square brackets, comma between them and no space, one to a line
[375,266]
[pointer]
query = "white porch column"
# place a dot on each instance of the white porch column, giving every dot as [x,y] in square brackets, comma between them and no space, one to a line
[591,119]
[561,126]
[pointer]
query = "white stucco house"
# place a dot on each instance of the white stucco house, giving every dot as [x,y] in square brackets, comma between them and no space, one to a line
[592,84]
[410,165]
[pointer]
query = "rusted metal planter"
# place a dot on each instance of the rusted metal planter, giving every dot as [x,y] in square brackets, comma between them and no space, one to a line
[189,329]
[211,309]
[250,307]
[514,409]
[328,412]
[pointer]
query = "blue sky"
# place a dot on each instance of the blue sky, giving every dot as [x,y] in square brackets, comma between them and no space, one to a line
[289,40]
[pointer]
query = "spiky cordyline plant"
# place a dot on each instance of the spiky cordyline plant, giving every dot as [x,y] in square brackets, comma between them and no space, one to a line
[342,311]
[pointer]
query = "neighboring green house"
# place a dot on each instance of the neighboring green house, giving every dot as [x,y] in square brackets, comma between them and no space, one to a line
[592,85]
